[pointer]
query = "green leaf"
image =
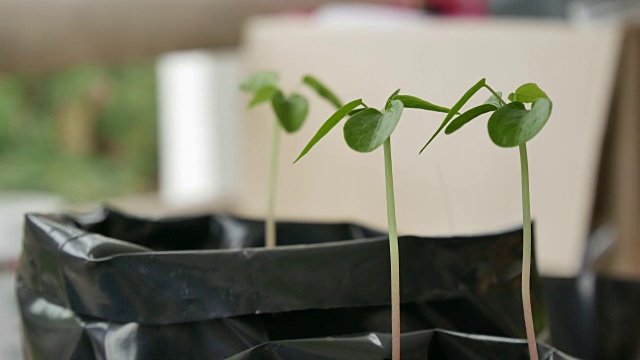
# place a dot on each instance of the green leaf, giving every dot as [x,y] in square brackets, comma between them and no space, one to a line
[513,125]
[412,102]
[528,93]
[388,103]
[493,100]
[467,116]
[353,112]
[463,100]
[370,128]
[262,95]
[322,90]
[259,80]
[291,111]
[328,125]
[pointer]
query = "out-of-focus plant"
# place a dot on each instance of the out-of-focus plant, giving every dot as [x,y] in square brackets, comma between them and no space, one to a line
[290,112]
[86,133]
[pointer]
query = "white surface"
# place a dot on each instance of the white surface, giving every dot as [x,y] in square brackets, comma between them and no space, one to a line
[195,116]
[463,184]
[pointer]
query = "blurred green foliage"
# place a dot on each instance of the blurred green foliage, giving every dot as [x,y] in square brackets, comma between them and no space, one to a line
[87,133]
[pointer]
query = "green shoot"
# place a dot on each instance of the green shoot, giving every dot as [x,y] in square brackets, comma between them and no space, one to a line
[511,125]
[365,130]
[291,112]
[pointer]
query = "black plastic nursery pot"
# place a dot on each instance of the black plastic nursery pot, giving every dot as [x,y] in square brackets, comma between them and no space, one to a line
[426,344]
[111,286]
[594,316]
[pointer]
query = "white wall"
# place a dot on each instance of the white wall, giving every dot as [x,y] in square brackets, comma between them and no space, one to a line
[463,184]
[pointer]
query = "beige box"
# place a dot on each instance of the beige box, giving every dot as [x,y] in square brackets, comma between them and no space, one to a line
[462,184]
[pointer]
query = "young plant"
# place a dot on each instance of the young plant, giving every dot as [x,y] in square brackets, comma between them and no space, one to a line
[510,125]
[291,112]
[365,130]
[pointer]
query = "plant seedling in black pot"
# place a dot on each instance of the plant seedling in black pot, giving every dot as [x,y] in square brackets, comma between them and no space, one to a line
[291,112]
[510,125]
[365,130]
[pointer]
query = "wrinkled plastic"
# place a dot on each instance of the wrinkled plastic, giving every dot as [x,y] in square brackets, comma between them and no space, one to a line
[424,345]
[594,316]
[111,286]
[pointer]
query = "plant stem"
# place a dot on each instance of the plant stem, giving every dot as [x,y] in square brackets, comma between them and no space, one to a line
[394,253]
[526,254]
[495,94]
[270,223]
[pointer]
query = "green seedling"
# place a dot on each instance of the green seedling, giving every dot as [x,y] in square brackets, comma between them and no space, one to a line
[291,112]
[510,125]
[365,130]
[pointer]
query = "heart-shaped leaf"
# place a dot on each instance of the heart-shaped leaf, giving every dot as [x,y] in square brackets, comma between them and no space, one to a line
[493,100]
[528,93]
[463,100]
[467,116]
[328,125]
[290,111]
[262,95]
[259,80]
[412,102]
[322,90]
[513,125]
[370,128]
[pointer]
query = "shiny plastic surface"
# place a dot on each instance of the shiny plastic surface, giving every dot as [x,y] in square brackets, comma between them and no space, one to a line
[423,345]
[111,286]
[594,317]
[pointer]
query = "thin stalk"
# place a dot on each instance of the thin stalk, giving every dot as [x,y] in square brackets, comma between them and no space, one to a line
[394,253]
[495,94]
[270,223]
[526,254]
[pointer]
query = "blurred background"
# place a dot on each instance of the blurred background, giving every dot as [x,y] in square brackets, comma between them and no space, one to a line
[137,105]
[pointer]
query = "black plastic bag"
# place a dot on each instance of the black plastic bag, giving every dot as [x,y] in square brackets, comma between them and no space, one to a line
[595,316]
[423,345]
[191,288]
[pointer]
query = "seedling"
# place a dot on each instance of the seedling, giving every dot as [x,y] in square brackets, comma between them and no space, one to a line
[510,125]
[365,130]
[291,112]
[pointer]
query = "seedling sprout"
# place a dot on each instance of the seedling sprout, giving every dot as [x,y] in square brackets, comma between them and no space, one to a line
[365,130]
[510,125]
[291,112]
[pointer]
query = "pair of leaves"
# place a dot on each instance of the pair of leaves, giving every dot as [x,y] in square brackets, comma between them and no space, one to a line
[493,103]
[291,111]
[509,125]
[463,100]
[367,128]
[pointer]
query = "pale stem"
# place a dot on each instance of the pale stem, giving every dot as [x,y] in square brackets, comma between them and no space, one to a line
[270,223]
[394,253]
[526,254]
